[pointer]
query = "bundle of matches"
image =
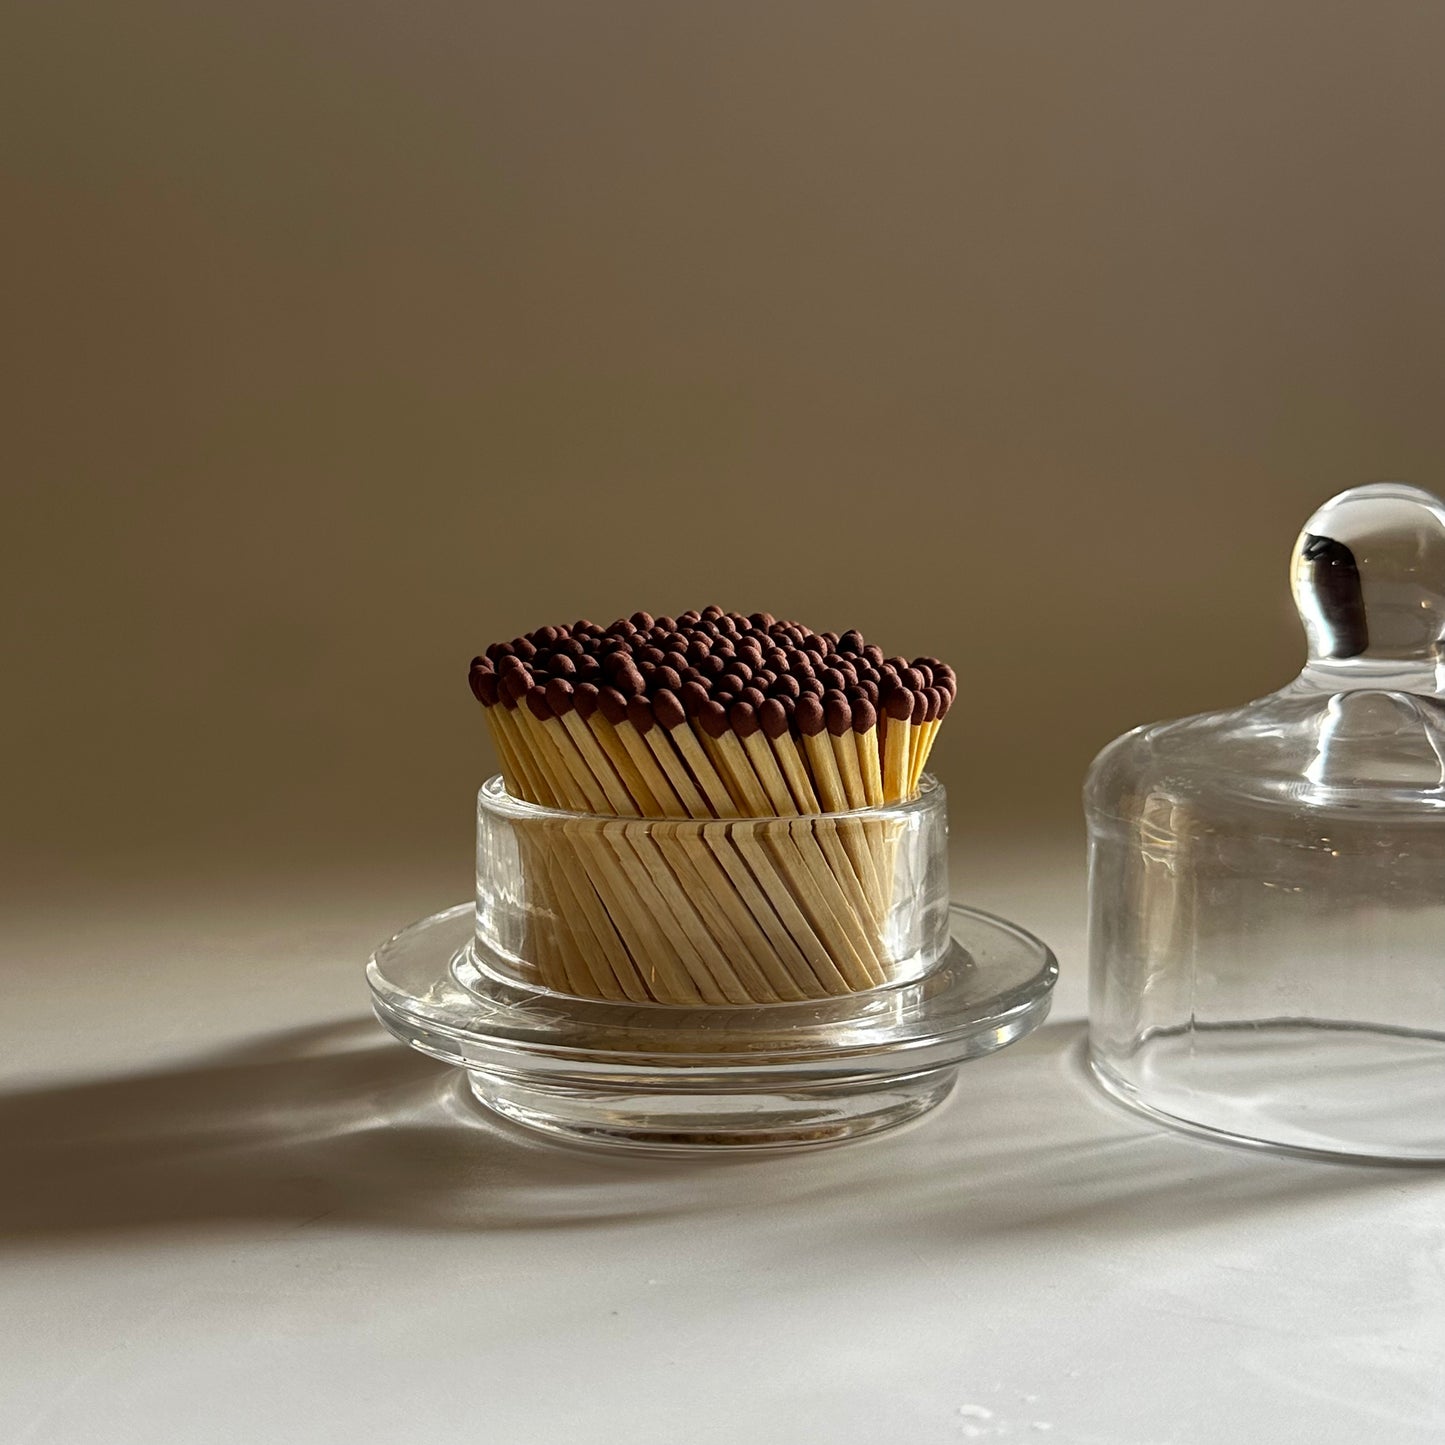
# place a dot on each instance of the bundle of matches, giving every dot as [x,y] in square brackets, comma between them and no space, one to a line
[711,716]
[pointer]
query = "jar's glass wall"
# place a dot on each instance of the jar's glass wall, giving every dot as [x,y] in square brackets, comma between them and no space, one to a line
[729,912]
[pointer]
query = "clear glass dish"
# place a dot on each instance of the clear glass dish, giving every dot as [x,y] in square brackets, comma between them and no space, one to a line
[656,1077]
[1267,883]
[725,912]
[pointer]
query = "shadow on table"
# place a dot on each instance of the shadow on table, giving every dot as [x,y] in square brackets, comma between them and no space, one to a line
[339,1124]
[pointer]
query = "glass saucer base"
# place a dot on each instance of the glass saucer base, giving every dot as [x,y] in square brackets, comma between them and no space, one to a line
[661,1078]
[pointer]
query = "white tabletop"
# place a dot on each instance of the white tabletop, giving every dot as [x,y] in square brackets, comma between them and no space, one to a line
[237,1213]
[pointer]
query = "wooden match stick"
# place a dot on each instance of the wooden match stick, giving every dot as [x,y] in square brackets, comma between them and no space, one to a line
[898,712]
[755,774]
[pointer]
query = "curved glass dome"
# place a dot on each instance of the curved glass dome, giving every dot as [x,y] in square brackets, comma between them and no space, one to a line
[1267,883]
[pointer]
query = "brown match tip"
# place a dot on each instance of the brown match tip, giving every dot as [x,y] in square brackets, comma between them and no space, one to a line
[586,697]
[899,704]
[694,697]
[839,714]
[713,719]
[613,705]
[512,687]
[668,711]
[484,687]
[639,714]
[559,696]
[920,709]
[773,718]
[744,719]
[810,716]
[536,700]
[865,716]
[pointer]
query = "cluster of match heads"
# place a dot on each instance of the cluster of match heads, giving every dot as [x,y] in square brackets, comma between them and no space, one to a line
[709,714]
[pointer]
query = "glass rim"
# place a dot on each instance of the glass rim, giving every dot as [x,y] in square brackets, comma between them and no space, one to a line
[494,798]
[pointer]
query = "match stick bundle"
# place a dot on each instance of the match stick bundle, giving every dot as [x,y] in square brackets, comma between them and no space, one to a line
[686,721]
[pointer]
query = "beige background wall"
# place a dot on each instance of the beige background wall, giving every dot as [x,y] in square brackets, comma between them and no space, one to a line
[340,339]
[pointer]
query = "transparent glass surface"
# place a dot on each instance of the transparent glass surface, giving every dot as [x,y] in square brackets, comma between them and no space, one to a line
[658,1077]
[1267,883]
[735,912]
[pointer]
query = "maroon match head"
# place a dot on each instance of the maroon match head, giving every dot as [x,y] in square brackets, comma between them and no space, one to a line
[612,705]
[810,715]
[713,718]
[639,714]
[865,716]
[839,713]
[512,687]
[668,710]
[899,704]
[694,697]
[744,719]
[772,718]
[559,696]
[629,680]
[585,698]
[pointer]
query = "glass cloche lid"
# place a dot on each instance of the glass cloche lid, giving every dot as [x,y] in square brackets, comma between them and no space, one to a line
[1267,882]
[1362,727]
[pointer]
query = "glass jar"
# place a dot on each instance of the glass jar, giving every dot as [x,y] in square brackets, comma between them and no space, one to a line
[711,912]
[1267,883]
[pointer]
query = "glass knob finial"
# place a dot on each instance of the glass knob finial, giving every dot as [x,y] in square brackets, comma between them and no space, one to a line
[1368,575]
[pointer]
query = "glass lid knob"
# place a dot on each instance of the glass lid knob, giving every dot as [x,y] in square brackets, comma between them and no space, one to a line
[1368,576]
